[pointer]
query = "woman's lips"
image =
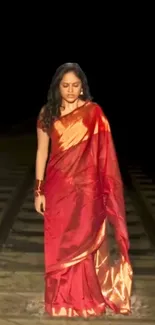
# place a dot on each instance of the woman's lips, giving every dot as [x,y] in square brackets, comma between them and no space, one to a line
[70,96]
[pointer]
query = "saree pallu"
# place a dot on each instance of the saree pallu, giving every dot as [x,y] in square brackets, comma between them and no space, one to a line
[84,192]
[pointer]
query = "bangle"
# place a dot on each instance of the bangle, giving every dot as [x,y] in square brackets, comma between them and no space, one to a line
[39,187]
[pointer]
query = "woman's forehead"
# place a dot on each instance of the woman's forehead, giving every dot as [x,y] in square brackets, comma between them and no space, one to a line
[70,77]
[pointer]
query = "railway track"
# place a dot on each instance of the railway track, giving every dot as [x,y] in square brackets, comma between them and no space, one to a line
[22,261]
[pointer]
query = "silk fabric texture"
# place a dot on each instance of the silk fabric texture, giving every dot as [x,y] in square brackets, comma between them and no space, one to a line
[84,194]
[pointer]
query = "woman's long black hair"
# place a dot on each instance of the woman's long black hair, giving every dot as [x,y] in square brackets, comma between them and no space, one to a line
[52,107]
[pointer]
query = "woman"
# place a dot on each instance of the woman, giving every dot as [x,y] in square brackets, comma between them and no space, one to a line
[81,193]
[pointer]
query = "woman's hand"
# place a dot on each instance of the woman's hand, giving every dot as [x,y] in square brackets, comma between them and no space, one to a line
[40,204]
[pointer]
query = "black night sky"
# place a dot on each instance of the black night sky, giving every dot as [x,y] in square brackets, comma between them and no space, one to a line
[118,61]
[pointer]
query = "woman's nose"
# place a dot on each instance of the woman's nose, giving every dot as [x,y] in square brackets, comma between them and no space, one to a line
[70,88]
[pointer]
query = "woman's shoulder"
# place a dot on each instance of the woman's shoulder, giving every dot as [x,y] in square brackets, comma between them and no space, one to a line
[96,107]
[43,119]
[94,104]
[42,110]
[98,113]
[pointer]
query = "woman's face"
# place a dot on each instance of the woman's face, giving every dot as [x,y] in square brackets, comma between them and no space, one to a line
[70,87]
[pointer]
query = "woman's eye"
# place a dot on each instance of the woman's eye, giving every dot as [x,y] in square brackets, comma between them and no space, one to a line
[73,85]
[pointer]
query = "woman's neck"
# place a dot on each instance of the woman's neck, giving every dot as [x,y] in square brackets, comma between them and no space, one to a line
[68,107]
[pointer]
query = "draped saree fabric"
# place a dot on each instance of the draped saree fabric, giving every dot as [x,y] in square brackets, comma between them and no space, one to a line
[84,193]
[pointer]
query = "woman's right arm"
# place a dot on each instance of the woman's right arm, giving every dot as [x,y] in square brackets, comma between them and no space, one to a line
[41,154]
[41,160]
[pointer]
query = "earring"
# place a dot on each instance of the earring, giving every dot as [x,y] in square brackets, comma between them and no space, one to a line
[81,93]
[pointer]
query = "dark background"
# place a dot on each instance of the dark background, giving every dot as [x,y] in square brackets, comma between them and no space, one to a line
[114,48]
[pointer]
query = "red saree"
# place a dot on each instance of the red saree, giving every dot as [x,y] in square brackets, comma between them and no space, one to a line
[84,191]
